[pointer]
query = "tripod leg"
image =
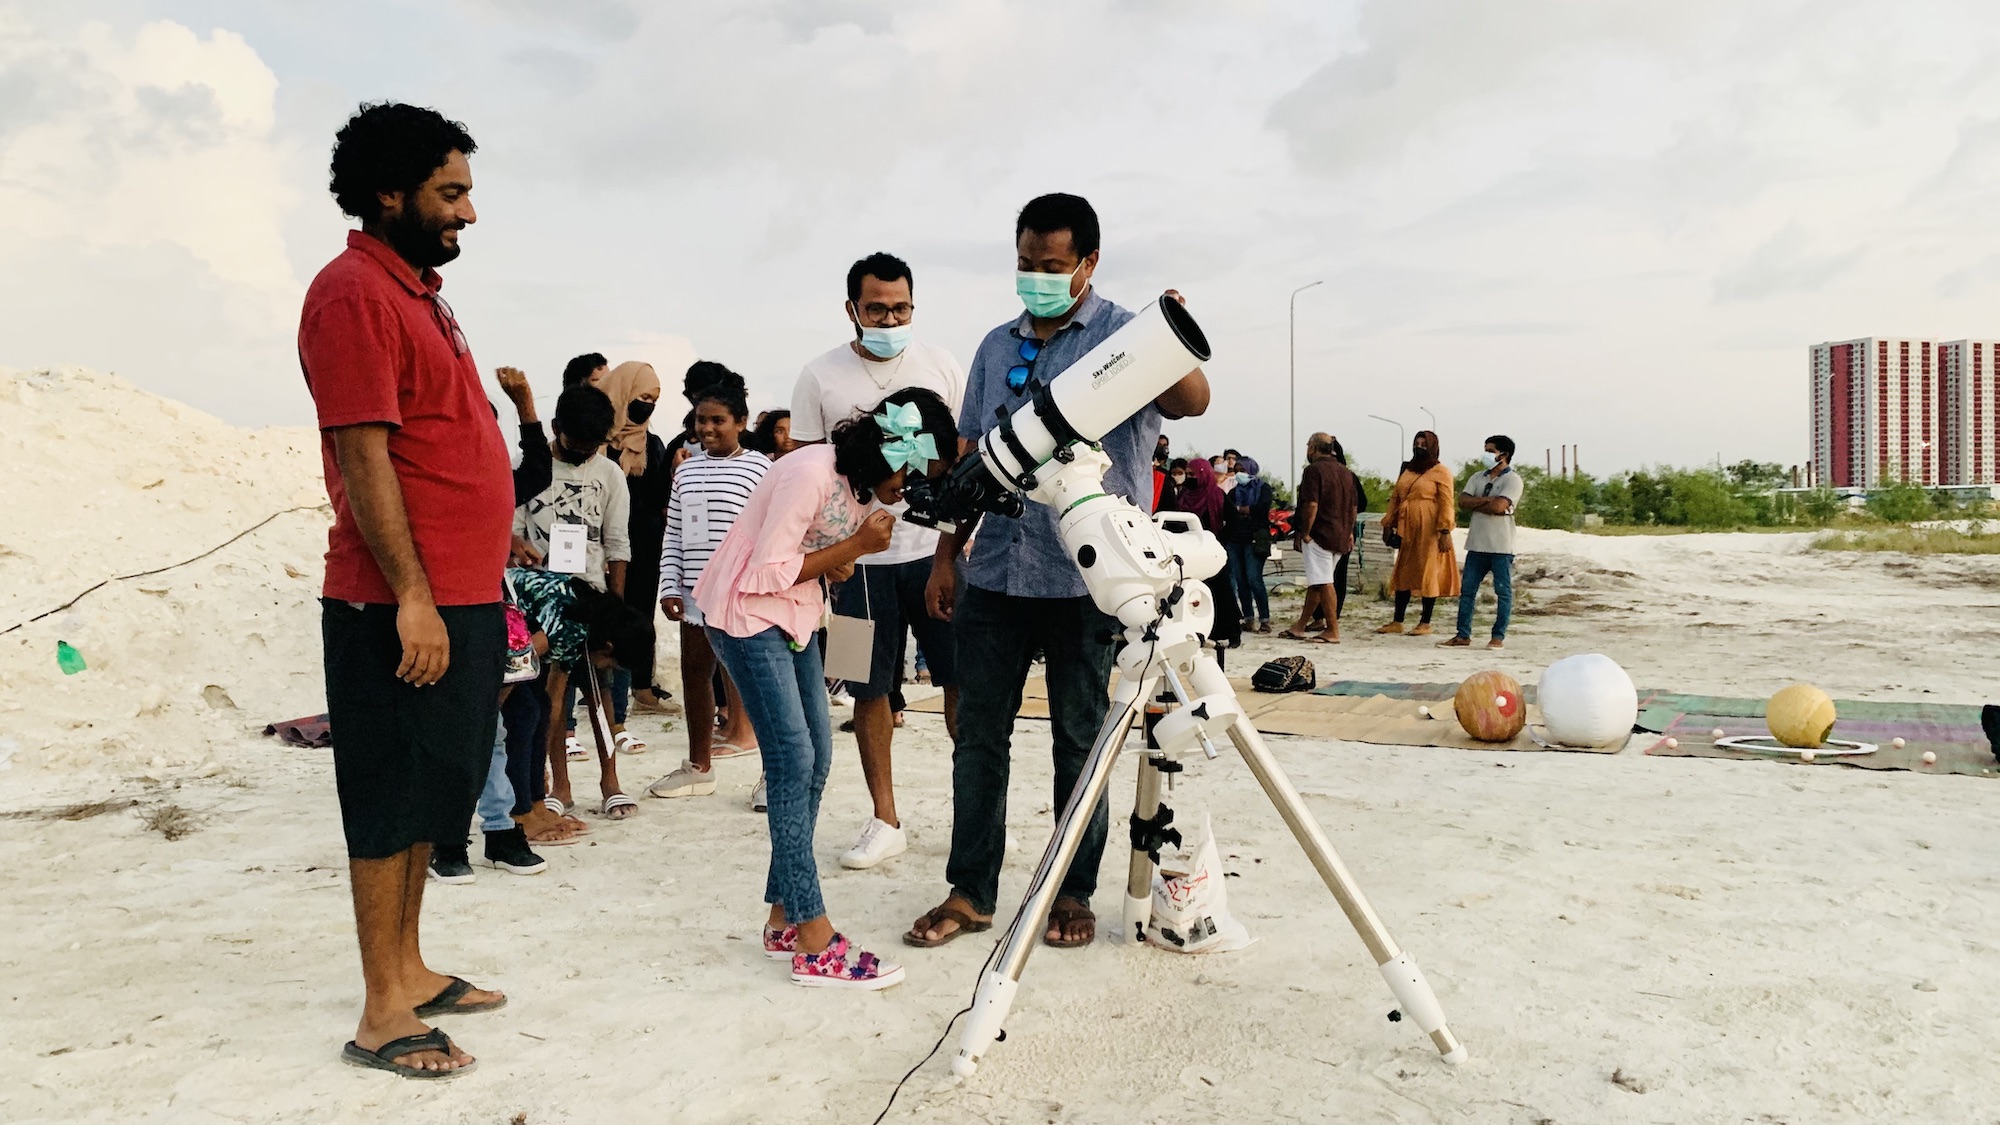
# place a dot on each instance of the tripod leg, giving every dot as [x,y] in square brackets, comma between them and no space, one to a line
[1399,969]
[1139,878]
[996,989]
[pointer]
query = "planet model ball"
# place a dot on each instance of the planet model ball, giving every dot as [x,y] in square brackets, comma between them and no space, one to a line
[1489,706]
[1930,758]
[1807,756]
[1588,700]
[1897,743]
[1673,743]
[1716,733]
[1800,716]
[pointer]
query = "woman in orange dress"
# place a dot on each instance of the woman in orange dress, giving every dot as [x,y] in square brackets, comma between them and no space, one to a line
[1418,523]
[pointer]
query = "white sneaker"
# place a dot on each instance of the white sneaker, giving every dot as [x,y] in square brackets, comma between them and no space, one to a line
[840,699]
[685,781]
[758,801]
[879,841]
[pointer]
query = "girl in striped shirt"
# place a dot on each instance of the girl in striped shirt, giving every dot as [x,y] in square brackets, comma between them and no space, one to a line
[709,491]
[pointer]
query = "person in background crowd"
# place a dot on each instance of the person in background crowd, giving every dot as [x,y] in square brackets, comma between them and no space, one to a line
[589,632]
[1246,533]
[709,493]
[881,357]
[414,631]
[1170,489]
[1330,497]
[1229,459]
[586,368]
[810,519]
[1022,593]
[1490,497]
[773,436]
[634,390]
[1204,499]
[1163,450]
[1418,523]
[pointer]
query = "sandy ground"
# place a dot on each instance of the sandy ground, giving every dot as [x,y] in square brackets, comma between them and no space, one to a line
[1736,941]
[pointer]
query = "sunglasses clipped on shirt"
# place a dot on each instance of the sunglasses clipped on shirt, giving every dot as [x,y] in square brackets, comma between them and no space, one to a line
[1017,375]
[447,323]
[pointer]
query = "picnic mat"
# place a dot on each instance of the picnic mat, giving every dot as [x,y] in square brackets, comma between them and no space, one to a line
[1949,730]
[311,731]
[1379,719]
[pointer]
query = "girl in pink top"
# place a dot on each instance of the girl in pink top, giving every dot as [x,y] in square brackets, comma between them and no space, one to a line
[761,597]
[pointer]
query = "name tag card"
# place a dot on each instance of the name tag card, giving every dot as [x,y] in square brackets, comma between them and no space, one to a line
[697,522]
[569,548]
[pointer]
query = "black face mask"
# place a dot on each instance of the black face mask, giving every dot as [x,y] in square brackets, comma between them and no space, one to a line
[570,456]
[638,412]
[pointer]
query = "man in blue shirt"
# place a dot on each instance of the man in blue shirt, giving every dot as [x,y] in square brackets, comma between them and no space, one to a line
[1021,592]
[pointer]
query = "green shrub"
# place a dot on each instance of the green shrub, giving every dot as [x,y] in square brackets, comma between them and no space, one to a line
[1901,502]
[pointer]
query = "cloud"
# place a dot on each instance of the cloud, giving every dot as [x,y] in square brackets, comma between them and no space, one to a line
[141,175]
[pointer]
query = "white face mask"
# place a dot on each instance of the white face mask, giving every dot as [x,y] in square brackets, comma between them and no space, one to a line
[1489,459]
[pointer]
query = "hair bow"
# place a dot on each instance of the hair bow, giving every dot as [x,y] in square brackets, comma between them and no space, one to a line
[909,446]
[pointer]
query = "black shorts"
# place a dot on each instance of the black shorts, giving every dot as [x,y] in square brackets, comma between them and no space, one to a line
[894,599]
[409,762]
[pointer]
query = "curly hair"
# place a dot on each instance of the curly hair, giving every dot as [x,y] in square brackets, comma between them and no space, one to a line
[857,443]
[389,146]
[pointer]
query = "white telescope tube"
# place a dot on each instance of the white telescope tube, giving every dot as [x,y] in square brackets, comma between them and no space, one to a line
[1110,383]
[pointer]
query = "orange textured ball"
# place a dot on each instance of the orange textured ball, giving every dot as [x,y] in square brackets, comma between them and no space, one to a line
[1489,707]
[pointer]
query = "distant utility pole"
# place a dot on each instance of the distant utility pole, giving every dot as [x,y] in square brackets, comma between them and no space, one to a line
[1292,381]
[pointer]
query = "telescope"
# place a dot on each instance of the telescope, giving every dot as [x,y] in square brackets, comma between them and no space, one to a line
[1145,571]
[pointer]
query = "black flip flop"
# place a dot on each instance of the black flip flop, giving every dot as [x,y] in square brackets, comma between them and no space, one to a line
[446,1003]
[385,1056]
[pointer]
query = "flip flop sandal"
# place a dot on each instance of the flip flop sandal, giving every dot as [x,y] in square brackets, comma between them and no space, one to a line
[446,1003]
[966,924]
[1064,913]
[617,801]
[567,812]
[625,742]
[553,841]
[385,1056]
[729,750]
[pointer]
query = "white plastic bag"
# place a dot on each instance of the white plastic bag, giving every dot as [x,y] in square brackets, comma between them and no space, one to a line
[1190,904]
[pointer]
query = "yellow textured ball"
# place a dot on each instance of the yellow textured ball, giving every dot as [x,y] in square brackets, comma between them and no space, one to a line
[1801,716]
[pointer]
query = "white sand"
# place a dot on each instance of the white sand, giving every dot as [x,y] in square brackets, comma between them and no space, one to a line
[1744,941]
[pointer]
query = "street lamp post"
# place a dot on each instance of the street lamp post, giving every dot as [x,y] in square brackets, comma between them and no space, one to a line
[1432,417]
[1401,443]
[1292,379]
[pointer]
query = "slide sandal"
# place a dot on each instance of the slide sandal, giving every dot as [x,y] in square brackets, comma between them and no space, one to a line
[625,742]
[614,803]
[446,1003]
[385,1056]
[567,812]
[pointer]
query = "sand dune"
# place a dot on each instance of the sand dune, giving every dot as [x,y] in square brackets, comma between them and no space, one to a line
[1734,941]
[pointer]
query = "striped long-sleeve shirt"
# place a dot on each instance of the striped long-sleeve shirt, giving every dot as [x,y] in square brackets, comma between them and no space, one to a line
[708,495]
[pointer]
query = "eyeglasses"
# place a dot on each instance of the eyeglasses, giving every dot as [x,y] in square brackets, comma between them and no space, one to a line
[448,324]
[878,313]
[1017,375]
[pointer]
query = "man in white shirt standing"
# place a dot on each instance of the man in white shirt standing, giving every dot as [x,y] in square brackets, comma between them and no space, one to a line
[1491,497]
[888,588]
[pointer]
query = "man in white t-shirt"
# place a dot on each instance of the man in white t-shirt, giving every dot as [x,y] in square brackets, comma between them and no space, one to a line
[845,383]
[1491,497]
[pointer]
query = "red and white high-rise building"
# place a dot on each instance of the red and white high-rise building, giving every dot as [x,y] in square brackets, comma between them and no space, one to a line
[1878,412]
[1970,385]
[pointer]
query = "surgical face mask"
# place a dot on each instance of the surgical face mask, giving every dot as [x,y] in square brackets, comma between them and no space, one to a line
[886,343]
[1489,459]
[638,411]
[1046,294]
[1242,479]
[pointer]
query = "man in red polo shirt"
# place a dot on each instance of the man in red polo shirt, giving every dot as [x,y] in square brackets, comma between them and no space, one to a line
[423,501]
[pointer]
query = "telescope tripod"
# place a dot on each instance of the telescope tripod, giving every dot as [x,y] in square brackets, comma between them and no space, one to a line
[1137,569]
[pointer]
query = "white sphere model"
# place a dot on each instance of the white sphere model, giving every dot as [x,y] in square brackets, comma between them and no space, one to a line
[1807,756]
[1424,711]
[1673,743]
[1716,733]
[1930,758]
[1588,700]
[1897,743]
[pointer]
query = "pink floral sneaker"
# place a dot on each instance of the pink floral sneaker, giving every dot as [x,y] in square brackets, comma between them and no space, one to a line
[841,966]
[779,945]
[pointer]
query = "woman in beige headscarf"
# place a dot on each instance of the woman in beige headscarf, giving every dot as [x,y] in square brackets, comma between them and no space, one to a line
[634,390]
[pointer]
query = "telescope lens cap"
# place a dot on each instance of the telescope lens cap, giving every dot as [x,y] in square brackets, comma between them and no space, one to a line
[1086,556]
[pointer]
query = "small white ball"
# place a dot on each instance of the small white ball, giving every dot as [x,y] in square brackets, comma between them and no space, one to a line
[1897,743]
[1716,733]
[1673,743]
[1807,756]
[1424,712]
[1930,759]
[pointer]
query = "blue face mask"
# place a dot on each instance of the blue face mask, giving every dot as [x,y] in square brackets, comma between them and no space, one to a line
[1045,294]
[1488,460]
[886,343]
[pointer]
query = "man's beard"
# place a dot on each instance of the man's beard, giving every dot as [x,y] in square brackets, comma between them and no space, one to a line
[419,241]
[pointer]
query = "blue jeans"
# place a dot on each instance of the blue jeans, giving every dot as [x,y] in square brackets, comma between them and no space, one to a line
[496,801]
[998,636]
[1479,564]
[784,693]
[1246,574]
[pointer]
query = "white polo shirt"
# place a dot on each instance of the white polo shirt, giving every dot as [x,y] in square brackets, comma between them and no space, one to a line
[841,385]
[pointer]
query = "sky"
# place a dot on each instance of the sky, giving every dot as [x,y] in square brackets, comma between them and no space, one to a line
[1610,223]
